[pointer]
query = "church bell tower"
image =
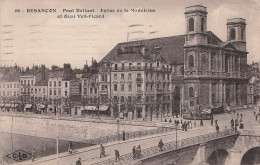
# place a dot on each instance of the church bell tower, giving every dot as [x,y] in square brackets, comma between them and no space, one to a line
[196,25]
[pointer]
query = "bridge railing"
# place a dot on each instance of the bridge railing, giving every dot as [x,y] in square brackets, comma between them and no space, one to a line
[173,145]
[129,135]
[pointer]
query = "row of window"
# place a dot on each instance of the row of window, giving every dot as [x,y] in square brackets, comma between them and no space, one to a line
[213,62]
[9,85]
[28,82]
[55,93]
[55,84]
[139,66]
[139,75]
[8,93]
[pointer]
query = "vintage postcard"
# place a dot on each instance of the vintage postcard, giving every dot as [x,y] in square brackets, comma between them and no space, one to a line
[144,82]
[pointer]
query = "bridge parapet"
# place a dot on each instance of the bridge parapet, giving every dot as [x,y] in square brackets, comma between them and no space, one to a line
[249,132]
[172,146]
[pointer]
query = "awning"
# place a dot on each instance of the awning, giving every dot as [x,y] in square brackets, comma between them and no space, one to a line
[7,105]
[28,106]
[103,108]
[1,105]
[14,105]
[91,108]
[40,106]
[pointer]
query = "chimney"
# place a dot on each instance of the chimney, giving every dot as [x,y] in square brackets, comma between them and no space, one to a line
[43,72]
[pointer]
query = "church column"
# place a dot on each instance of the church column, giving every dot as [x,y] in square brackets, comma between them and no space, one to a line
[210,94]
[221,92]
[234,93]
[224,93]
[210,60]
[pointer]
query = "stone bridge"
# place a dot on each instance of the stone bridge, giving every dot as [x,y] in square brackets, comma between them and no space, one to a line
[234,149]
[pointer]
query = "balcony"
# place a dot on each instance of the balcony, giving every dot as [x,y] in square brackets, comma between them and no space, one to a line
[218,74]
[139,92]
[103,92]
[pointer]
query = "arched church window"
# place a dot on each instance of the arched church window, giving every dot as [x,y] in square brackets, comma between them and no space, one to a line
[204,62]
[191,94]
[233,34]
[191,24]
[213,61]
[242,34]
[202,24]
[191,61]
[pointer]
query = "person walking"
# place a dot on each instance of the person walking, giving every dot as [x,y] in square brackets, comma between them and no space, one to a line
[254,113]
[217,128]
[138,152]
[160,145]
[102,151]
[78,162]
[232,124]
[117,155]
[123,135]
[255,117]
[241,125]
[134,153]
[236,125]
[70,148]
[201,122]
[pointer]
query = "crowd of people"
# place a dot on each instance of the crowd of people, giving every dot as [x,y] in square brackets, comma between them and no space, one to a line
[237,123]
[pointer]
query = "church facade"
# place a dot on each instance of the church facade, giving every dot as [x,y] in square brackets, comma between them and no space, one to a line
[206,72]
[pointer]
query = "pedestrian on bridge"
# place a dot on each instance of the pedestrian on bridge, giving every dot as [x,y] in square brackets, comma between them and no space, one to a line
[201,122]
[241,125]
[232,124]
[102,151]
[160,145]
[236,125]
[123,134]
[217,128]
[70,148]
[138,152]
[117,155]
[78,162]
[134,153]
[254,113]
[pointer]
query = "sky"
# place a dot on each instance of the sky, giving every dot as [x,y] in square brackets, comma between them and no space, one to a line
[43,38]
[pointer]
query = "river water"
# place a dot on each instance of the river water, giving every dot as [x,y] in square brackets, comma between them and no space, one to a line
[10,143]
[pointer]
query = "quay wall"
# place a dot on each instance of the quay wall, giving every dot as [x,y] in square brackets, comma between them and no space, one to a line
[66,129]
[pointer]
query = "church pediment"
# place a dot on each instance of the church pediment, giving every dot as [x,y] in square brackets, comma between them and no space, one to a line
[229,46]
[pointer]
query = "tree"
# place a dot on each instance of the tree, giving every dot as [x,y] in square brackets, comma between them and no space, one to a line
[84,102]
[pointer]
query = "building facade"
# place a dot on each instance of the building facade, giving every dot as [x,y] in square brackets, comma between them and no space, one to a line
[204,71]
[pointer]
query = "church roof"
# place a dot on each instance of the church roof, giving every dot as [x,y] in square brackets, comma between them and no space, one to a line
[171,49]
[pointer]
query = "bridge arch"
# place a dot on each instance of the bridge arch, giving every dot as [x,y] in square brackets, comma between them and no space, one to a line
[251,156]
[218,157]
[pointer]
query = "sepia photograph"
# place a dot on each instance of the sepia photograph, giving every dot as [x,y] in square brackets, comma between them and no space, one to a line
[130,82]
